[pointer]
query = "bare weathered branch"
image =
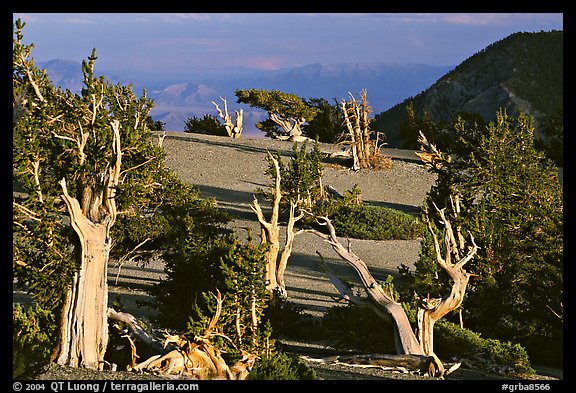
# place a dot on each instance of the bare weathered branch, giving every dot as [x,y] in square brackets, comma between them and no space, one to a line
[135,328]
[234,130]
[429,153]
[345,292]
[365,150]
[197,358]
[408,363]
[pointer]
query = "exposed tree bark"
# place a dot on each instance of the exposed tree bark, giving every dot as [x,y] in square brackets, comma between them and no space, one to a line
[431,310]
[270,234]
[430,155]
[269,230]
[234,130]
[417,364]
[137,330]
[84,325]
[287,249]
[292,128]
[161,138]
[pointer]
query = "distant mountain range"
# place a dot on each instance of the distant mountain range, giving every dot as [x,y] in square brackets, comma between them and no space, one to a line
[177,100]
[521,73]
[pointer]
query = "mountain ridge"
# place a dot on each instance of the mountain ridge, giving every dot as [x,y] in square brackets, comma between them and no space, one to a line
[520,73]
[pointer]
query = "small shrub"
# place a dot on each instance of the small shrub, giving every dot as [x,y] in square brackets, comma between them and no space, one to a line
[289,320]
[375,223]
[450,339]
[280,366]
[209,125]
[32,341]
[358,329]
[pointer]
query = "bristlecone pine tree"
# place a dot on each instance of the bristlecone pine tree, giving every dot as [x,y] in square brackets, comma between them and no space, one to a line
[286,112]
[83,162]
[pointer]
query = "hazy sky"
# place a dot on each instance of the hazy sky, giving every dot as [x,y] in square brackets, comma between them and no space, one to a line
[170,42]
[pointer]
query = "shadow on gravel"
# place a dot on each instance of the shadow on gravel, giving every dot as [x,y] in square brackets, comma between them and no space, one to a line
[413,210]
[236,203]
[338,266]
[132,276]
[224,194]
[284,151]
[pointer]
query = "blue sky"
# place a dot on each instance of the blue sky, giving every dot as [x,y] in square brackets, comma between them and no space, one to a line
[172,42]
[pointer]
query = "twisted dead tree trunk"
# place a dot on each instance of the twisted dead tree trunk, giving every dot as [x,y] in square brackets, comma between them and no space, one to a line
[276,258]
[379,301]
[84,324]
[292,128]
[429,310]
[453,261]
[234,130]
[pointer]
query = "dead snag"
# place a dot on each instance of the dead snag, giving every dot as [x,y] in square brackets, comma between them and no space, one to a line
[198,358]
[381,302]
[407,343]
[455,249]
[429,310]
[276,258]
[234,130]
[365,149]
[136,329]
[430,155]
[415,364]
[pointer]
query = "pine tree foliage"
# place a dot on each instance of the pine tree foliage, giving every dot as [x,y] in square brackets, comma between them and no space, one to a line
[208,124]
[301,177]
[244,299]
[286,112]
[328,124]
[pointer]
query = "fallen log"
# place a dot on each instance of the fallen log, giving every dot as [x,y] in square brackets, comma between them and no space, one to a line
[417,364]
[406,363]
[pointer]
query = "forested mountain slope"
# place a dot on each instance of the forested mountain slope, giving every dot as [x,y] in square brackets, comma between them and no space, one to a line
[521,73]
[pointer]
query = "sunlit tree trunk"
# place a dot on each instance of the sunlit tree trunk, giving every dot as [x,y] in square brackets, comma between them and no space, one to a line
[276,257]
[84,323]
[429,310]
